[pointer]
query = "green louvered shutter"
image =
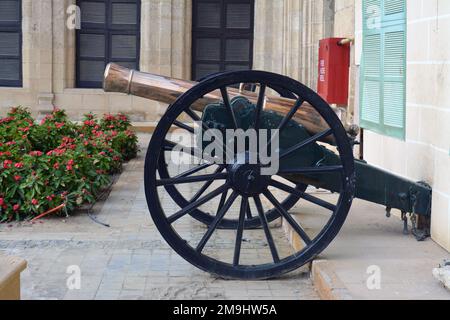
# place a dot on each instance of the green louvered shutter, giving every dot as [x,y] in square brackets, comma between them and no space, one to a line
[383,73]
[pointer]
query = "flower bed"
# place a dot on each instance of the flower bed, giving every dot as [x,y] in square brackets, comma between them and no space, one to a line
[57,162]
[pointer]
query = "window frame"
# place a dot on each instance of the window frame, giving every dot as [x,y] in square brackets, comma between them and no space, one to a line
[388,24]
[222,33]
[14,27]
[108,29]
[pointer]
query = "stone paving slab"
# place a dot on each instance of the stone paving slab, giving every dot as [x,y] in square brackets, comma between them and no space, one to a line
[130,260]
[372,258]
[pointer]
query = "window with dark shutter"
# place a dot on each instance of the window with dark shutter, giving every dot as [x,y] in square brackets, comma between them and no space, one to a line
[222,36]
[10,43]
[110,32]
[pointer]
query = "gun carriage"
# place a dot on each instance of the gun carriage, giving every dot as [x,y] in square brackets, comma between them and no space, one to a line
[314,150]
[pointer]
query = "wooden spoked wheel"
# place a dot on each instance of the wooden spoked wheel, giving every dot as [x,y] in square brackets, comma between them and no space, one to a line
[240,193]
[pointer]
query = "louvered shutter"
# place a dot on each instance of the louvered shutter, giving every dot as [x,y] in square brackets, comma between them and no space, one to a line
[222,36]
[383,73]
[10,43]
[110,32]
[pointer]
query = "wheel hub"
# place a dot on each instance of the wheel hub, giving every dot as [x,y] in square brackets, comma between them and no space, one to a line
[247,179]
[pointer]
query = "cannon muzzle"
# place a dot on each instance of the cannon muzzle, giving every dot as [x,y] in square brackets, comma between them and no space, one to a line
[117,78]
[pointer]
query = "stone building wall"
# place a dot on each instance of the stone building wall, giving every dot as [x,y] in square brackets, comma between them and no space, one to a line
[49,59]
[286,41]
[287,34]
[425,153]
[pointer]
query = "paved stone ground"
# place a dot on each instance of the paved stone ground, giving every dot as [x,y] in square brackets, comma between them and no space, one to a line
[368,243]
[130,260]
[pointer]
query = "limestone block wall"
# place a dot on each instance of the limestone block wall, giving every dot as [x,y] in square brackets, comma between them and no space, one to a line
[424,155]
[32,57]
[344,26]
[287,34]
[49,59]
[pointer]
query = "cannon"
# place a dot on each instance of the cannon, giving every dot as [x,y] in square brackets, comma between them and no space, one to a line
[232,198]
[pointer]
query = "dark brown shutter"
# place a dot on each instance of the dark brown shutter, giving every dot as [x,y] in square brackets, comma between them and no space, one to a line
[222,36]
[110,32]
[239,15]
[10,43]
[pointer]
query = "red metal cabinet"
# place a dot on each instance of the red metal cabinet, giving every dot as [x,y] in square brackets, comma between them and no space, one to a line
[334,64]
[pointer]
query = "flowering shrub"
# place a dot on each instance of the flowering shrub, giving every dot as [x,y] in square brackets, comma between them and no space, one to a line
[58,162]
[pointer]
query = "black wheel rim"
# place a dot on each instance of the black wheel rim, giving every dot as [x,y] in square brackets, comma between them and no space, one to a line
[279,265]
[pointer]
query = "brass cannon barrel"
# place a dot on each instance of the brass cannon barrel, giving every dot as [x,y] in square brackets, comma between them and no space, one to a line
[167,90]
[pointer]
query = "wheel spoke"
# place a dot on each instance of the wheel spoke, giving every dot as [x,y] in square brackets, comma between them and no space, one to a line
[285,121]
[195,117]
[192,114]
[249,213]
[191,179]
[207,184]
[222,201]
[259,106]
[216,221]
[184,126]
[306,142]
[304,195]
[195,204]
[194,170]
[288,217]
[265,225]
[195,152]
[290,114]
[226,102]
[170,145]
[240,230]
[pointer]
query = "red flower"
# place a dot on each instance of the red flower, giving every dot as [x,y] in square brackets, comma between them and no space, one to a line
[7,164]
[69,168]
[34,202]
[2,201]
[17,178]
[36,153]
[70,162]
[18,165]
[59,125]
[56,165]
[16,207]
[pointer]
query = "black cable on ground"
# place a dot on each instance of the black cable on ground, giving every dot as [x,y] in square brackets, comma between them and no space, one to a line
[101,196]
